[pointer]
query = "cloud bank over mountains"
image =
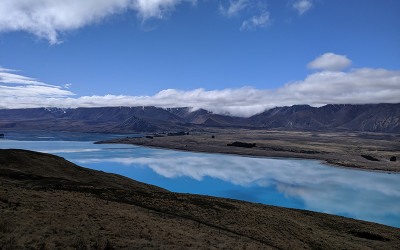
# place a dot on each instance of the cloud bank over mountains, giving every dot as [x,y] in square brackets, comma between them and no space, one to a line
[327,86]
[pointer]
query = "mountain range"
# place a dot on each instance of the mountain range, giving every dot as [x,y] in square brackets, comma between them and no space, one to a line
[332,117]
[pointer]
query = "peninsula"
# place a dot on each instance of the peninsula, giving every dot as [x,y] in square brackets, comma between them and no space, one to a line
[369,151]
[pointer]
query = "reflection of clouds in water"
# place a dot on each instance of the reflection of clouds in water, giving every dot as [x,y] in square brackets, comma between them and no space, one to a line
[247,171]
[356,193]
[197,167]
[341,198]
[72,150]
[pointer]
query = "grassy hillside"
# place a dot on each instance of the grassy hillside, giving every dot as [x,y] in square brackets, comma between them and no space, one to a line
[47,202]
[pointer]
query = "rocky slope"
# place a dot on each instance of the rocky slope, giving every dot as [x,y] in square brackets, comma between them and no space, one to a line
[372,117]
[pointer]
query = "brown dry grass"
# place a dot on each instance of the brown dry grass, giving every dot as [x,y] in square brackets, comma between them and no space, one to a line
[49,203]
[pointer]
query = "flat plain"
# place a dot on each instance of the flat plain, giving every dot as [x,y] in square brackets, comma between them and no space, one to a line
[359,150]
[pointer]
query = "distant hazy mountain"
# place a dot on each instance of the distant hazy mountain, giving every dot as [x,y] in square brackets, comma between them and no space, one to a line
[369,117]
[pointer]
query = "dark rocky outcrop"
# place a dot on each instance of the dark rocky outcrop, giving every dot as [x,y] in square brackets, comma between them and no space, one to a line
[370,158]
[177,134]
[241,144]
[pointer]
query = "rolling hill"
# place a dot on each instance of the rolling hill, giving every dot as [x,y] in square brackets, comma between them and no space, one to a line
[47,202]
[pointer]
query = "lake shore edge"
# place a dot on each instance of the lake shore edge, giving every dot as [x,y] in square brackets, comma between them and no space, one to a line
[330,153]
[289,157]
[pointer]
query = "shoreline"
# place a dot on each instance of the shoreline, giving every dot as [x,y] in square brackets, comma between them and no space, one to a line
[334,153]
[324,162]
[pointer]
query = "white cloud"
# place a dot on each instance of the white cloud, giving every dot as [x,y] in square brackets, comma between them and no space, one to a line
[6,70]
[6,77]
[19,93]
[254,22]
[48,18]
[330,61]
[302,6]
[259,16]
[234,7]
[13,85]
[357,86]
[155,8]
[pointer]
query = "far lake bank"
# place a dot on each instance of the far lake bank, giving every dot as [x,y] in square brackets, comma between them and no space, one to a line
[362,151]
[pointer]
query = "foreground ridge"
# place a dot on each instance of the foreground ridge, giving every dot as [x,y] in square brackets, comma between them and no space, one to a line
[48,202]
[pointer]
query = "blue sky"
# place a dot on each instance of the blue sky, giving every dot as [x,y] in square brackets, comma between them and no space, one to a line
[234,56]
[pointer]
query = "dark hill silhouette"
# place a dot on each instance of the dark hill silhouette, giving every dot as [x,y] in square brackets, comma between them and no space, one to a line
[369,117]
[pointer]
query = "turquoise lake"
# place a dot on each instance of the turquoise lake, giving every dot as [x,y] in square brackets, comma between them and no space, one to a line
[303,184]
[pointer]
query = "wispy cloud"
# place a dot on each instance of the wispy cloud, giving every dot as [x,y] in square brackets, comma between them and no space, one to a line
[48,18]
[302,6]
[13,85]
[255,22]
[356,86]
[256,15]
[7,77]
[6,70]
[234,7]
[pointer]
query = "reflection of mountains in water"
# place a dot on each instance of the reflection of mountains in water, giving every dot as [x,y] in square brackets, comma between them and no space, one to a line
[369,117]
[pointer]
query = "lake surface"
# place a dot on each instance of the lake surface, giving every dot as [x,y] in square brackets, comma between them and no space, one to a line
[303,184]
